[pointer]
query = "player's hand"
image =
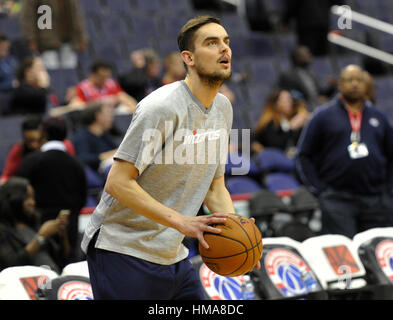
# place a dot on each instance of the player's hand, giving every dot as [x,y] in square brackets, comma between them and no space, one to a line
[196,226]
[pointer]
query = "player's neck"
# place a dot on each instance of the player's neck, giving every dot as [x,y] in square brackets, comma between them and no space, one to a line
[202,91]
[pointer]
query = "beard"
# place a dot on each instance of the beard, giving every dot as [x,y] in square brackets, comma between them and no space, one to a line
[352,99]
[213,79]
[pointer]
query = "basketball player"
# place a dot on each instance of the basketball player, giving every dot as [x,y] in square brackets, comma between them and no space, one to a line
[153,192]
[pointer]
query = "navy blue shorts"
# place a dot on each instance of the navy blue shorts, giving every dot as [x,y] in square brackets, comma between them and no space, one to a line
[123,277]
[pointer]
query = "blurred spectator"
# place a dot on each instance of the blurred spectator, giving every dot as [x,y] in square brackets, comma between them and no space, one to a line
[9,8]
[370,88]
[67,32]
[21,243]
[8,65]
[57,177]
[301,78]
[145,76]
[281,122]
[174,68]
[31,95]
[93,143]
[31,141]
[99,86]
[345,156]
[312,21]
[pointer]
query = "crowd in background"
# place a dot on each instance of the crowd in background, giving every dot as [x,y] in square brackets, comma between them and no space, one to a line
[68,142]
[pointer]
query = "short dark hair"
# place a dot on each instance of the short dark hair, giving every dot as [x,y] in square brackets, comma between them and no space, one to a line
[185,38]
[26,64]
[12,195]
[100,64]
[31,123]
[54,128]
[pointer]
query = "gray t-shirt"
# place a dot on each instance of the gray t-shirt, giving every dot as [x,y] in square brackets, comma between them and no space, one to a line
[178,147]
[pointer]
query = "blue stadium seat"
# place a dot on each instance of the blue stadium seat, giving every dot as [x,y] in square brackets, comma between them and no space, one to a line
[150,6]
[260,44]
[108,52]
[279,181]
[383,87]
[144,26]
[172,25]
[242,185]
[133,43]
[57,83]
[345,60]
[234,24]
[10,129]
[11,27]
[272,159]
[322,67]
[263,70]
[239,46]
[167,45]
[111,23]
[120,7]
[258,93]
[4,149]
[179,8]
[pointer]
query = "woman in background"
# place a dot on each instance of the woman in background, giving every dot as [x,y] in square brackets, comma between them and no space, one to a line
[281,122]
[20,242]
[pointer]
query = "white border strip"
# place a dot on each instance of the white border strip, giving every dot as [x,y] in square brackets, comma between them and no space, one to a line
[364,19]
[360,47]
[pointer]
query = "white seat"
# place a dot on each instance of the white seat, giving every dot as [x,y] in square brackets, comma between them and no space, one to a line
[285,272]
[375,249]
[76,269]
[335,260]
[21,283]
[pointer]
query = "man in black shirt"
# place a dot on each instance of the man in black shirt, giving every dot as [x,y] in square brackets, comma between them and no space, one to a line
[57,177]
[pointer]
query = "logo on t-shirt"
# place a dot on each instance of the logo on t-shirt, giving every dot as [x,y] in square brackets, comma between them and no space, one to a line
[196,137]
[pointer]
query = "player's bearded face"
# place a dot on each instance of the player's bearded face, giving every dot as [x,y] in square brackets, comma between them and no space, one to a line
[212,54]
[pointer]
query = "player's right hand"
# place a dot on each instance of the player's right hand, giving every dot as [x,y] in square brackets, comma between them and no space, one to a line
[196,226]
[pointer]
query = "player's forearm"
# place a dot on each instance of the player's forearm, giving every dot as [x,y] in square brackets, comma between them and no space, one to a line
[218,200]
[131,194]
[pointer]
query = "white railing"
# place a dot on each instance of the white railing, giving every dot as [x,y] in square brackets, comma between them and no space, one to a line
[358,46]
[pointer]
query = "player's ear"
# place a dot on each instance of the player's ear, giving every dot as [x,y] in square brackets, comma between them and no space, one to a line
[188,58]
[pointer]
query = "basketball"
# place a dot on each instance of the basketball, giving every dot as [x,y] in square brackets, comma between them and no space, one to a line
[236,250]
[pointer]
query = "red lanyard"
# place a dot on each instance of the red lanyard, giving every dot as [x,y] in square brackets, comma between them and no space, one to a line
[355,119]
[356,122]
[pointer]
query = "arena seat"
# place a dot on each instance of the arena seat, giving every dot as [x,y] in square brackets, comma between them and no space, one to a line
[241,185]
[336,262]
[216,287]
[263,70]
[76,269]
[274,160]
[285,273]
[375,249]
[22,283]
[281,182]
